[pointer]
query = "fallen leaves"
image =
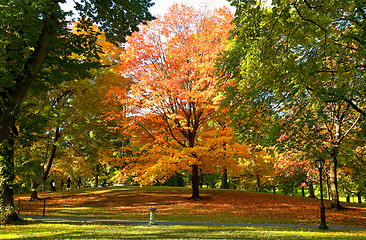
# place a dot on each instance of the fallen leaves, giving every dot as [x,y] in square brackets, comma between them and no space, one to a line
[173,204]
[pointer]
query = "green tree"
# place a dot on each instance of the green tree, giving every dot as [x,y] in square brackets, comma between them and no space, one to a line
[288,56]
[37,51]
[75,133]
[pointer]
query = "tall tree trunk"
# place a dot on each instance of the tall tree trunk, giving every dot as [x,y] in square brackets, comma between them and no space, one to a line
[334,183]
[8,133]
[52,156]
[7,171]
[96,175]
[340,115]
[327,185]
[224,184]
[195,182]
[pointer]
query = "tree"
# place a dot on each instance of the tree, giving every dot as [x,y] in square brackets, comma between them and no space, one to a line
[36,52]
[73,124]
[173,96]
[321,132]
[295,165]
[293,55]
[352,173]
[221,140]
[35,149]
[257,166]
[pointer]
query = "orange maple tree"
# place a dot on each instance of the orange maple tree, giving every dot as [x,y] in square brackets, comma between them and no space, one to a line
[173,98]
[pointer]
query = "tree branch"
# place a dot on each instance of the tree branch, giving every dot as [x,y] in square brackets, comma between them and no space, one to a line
[306,19]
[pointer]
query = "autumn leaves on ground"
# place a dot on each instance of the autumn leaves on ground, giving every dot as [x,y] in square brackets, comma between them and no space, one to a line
[173,204]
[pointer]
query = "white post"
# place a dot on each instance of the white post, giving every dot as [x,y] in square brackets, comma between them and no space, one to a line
[152,216]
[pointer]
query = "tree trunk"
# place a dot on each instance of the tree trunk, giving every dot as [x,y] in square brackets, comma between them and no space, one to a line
[311,190]
[34,193]
[334,184]
[359,197]
[176,180]
[327,186]
[8,133]
[52,156]
[7,173]
[195,182]
[224,184]
[258,183]
[96,183]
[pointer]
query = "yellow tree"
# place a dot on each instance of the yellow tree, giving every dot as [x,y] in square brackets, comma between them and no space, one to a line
[171,62]
[258,165]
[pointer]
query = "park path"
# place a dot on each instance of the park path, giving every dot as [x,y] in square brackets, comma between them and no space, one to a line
[139,223]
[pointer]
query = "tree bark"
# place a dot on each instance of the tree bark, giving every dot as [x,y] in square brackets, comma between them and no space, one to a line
[96,175]
[258,183]
[34,193]
[224,184]
[8,134]
[7,173]
[359,197]
[195,182]
[311,190]
[176,180]
[334,184]
[52,156]
[327,185]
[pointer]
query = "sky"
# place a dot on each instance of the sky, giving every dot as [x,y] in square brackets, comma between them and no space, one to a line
[161,6]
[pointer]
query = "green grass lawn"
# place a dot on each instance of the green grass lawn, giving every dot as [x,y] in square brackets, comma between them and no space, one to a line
[75,230]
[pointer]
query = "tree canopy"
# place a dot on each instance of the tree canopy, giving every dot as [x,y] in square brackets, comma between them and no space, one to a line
[37,52]
[298,64]
[173,100]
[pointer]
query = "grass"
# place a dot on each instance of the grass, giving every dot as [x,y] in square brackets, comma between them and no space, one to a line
[131,203]
[73,230]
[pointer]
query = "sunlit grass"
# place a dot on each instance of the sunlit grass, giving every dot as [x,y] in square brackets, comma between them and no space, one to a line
[74,230]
